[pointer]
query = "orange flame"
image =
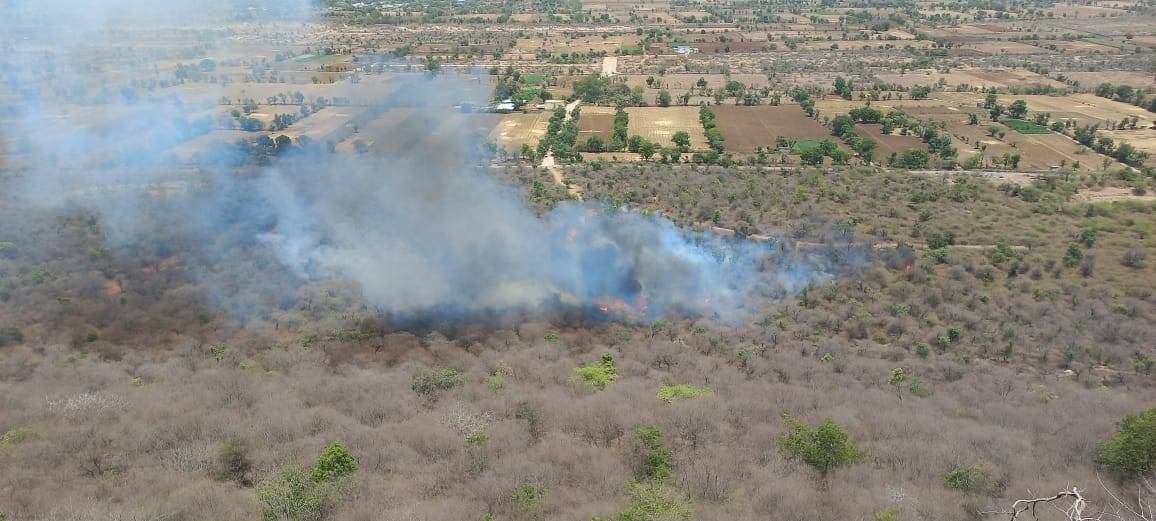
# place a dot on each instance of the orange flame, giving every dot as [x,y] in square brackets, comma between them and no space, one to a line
[616,306]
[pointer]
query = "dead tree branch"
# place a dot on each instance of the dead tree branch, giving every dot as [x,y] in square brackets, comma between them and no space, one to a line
[1074,512]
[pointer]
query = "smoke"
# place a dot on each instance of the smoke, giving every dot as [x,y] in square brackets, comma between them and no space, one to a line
[418,223]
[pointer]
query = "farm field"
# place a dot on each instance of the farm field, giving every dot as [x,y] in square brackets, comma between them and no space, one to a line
[658,124]
[517,129]
[1143,139]
[1025,127]
[748,128]
[995,48]
[591,125]
[1086,109]
[1091,79]
[887,143]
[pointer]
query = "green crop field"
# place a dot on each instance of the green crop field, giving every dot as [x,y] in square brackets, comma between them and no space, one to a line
[803,145]
[1026,127]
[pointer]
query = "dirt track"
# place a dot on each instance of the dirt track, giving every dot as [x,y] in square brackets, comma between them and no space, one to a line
[1110,194]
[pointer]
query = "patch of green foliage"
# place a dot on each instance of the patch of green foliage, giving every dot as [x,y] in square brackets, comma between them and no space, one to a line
[598,375]
[17,436]
[803,145]
[652,459]
[977,478]
[297,494]
[673,393]
[232,462]
[825,448]
[1131,451]
[430,382]
[529,498]
[1026,127]
[292,495]
[334,463]
[651,501]
[714,136]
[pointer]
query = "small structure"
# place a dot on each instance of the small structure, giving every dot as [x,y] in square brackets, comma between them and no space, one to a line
[506,105]
[685,49]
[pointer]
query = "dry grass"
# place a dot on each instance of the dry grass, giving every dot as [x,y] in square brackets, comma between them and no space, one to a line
[658,124]
[516,129]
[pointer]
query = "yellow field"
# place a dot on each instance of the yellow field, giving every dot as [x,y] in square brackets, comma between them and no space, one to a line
[658,124]
[1142,139]
[516,129]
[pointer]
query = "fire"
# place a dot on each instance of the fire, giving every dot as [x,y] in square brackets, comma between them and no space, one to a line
[620,306]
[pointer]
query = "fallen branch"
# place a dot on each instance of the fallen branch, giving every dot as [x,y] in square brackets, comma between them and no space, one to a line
[1074,512]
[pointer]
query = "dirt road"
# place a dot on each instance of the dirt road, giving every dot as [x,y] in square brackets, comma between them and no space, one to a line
[1112,193]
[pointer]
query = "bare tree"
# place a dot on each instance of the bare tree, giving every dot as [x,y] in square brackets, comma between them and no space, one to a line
[1072,505]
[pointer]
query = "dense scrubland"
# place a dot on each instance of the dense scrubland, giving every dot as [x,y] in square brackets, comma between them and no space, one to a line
[981,345]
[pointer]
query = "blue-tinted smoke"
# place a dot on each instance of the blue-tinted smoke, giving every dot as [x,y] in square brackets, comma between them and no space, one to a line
[417,222]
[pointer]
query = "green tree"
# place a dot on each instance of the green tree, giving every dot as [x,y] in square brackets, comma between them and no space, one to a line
[977,478]
[292,495]
[681,139]
[825,448]
[530,499]
[898,376]
[843,88]
[430,382]
[1017,109]
[812,156]
[865,147]
[1131,451]
[646,149]
[634,143]
[335,462]
[232,462]
[996,112]
[594,144]
[1073,256]
[842,125]
[656,501]
[915,158]
[598,375]
[652,461]
[663,98]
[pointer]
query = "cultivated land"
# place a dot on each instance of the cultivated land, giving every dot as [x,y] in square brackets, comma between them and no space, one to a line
[747,128]
[659,124]
[309,264]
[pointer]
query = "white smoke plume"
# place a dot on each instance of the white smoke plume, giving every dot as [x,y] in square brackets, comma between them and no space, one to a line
[418,225]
